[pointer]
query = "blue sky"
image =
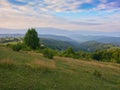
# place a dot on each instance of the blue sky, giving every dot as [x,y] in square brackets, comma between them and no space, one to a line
[94,15]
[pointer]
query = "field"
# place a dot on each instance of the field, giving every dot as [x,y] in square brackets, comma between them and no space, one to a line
[31,71]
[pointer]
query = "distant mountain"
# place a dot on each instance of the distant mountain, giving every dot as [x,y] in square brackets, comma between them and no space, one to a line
[12,31]
[101,39]
[56,37]
[112,40]
[11,35]
[65,32]
[41,30]
[84,38]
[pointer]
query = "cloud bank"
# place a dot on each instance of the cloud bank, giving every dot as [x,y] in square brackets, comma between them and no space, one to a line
[101,15]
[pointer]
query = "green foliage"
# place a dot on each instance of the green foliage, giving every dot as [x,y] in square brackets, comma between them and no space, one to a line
[97,55]
[68,52]
[49,53]
[116,55]
[100,55]
[77,55]
[107,55]
[9,45]
[25,47]
[97,73]
[82,54]
[17,47]
[31,39]
[118,61]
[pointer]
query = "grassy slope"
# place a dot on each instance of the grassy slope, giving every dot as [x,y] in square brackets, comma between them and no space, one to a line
[31,71]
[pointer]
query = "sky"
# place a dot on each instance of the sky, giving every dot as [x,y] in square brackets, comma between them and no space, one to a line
[89,15]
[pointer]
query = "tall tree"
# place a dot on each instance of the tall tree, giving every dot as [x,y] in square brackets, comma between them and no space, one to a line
[31,39]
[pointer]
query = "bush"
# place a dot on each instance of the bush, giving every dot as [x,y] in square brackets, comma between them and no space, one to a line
[25,47]
[97,73]
[48,53]
[118,61]
[9,45]
[17,47]
[68,53]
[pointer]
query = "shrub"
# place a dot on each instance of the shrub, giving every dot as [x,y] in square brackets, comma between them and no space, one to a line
[9,45]
[48,53]
[68,53]
[25,47]
[118,61]
[17,47]
[97,73]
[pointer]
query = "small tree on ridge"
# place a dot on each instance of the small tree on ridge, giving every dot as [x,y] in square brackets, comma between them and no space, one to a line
[31,39]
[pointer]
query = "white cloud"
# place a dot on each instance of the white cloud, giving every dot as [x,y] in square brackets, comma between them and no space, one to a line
[38,13]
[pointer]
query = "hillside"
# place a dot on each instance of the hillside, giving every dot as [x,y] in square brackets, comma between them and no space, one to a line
[100,39]
[91,46]
[56,44]
[31,71]
[113,40]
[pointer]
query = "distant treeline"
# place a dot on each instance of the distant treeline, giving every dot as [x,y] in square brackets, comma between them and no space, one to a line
[109,55]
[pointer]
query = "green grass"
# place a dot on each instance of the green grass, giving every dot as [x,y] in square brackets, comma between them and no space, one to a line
[31,71]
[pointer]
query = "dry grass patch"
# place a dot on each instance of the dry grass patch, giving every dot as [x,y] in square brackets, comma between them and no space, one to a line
[67,60]
[7,63]
[90,65]
[43,64]
[98,64]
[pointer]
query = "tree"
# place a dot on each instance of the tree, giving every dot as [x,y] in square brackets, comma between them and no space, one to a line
[97,55]
[31,39]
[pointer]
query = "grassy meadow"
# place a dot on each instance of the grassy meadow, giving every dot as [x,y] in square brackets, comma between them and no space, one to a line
[28,70]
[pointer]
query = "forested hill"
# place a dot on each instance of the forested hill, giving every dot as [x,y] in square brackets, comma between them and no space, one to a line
[56,44]
[92,46]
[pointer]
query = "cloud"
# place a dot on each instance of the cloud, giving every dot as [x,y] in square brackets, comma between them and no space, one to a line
[68,5]
[45,13]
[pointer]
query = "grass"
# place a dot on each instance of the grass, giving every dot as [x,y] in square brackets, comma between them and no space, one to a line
[7,63]
[31,71]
